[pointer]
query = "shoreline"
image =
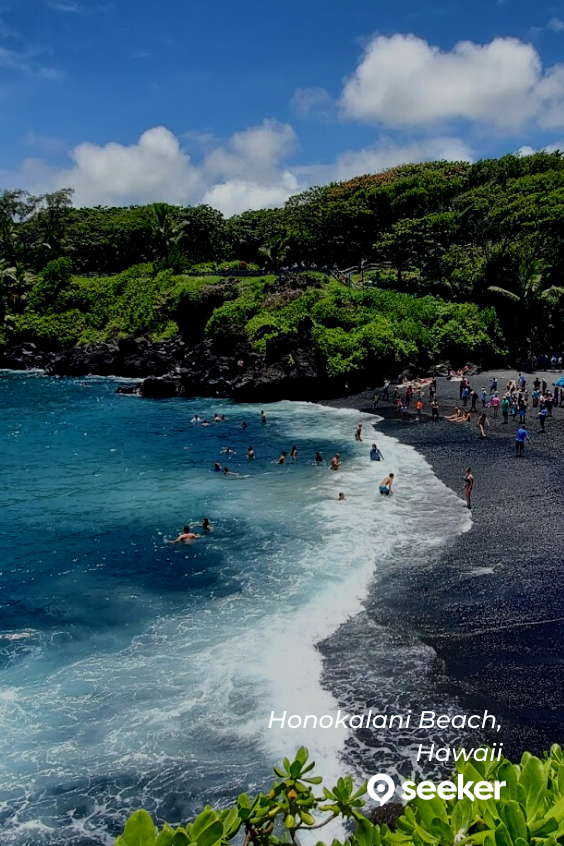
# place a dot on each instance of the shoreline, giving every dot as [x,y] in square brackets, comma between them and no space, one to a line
[490,604]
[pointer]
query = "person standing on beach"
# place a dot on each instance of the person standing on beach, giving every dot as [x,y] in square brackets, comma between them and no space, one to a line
[505,409]
[434,411]
[481,424]
[474,400]
[495,403]
[543,414]
[419,409]
[484,398]
[520,438]
[468,485]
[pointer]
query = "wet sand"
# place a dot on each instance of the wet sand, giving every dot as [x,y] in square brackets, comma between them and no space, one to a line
[492,604]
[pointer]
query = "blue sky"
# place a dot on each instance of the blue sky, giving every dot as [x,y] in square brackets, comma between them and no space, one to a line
[242,104]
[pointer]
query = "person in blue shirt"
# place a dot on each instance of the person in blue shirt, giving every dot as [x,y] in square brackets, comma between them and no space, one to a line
[375,454]
[520,438]
[543,414]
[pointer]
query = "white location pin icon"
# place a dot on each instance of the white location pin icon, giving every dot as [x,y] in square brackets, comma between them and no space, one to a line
[381,788]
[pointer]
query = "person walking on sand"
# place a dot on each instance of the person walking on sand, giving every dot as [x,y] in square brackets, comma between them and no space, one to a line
[358,433]
[481,424]
[468,485]
[484,397]
[386,485]
[520,438]
[434,411]
[336,461]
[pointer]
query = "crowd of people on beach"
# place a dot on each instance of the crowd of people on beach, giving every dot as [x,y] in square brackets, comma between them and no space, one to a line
[385,487]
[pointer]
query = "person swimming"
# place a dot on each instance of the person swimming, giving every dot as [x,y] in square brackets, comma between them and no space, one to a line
[185,535]
[217,467]
[195,419]
[206,526]
[263,417]
[228,451]
[251,453]
[341,497]
[216,418]
[318,458]
[294,452]
[375,454]
[244,424]
[386,485]
[228,472]
[282,459]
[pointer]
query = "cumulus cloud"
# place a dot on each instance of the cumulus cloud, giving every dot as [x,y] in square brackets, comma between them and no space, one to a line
[404,81]
[250,170]
[247,171]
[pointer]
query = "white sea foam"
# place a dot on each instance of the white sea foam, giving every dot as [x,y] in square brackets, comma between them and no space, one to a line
[191,696]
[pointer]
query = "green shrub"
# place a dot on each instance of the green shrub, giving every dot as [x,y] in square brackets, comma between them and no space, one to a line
[530,811]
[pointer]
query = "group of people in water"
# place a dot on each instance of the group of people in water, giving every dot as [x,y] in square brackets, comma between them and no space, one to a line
[385,487]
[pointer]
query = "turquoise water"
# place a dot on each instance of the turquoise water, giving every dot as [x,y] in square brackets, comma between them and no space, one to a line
[136,673]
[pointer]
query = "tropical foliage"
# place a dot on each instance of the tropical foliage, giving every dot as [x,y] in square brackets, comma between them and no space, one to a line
[529,812]
[488,233]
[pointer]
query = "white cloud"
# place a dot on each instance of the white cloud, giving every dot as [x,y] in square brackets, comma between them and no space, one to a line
[307,100]
[249,170]
[556,24]
[386,154]
[404,81]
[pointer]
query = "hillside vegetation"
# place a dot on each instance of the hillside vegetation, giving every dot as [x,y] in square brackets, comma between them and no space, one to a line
[467,261]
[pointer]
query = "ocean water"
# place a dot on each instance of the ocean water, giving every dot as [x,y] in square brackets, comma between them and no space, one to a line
[137,673]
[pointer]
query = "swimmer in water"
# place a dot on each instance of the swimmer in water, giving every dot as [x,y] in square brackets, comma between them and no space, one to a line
[386,485]
[294,452]
[263,417]
[206,526]
[282,459]
[205,423]
[341,497]
[243,425]
[336,461]
[228,472]
[251,453]
[185,536]
[228,451]
[195,419]
[318,458]
[217,467]
[375,454]
[216,418]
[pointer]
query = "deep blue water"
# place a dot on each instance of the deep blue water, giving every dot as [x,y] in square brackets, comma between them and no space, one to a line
[136,673]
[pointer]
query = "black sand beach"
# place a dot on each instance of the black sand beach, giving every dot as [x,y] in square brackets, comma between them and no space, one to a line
[492,604]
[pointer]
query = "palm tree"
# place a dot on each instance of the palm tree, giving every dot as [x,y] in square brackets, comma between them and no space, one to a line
[275,253]
[167,232]
[533,296]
